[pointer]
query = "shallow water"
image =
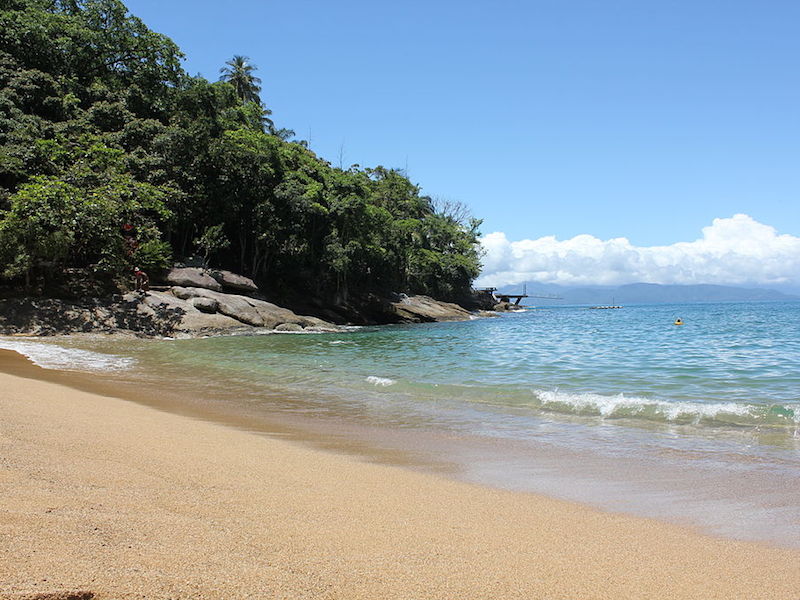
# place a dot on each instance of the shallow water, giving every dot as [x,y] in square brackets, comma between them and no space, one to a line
[695,423]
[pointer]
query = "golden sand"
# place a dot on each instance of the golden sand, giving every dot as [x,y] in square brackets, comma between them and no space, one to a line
[111,498]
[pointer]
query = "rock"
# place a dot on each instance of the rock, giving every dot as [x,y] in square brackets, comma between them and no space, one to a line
[317,325]
[503,307]
[193,277]
[232,281]
[236,307]
[420,309]
[184,316]
[272,314]
[183,293]
[480,300]
[185,312]
[288,327]
[206,305]
[257,313]
[329,328]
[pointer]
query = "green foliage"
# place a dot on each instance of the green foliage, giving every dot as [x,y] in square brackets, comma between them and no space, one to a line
[53,224]
[240,74]
[110,156]
[212,240]
[153,256]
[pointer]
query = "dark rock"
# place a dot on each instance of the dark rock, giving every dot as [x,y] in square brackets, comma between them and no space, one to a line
[479,300]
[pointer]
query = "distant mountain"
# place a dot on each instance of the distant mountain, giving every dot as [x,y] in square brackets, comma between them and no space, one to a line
[647,293]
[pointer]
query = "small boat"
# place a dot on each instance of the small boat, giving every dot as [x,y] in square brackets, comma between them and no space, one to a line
[607,306]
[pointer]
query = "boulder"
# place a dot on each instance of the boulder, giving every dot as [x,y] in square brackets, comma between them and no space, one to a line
[193,277]
[420,309]
[274,315]
[251,311]
[186,318]
[182,312]
[232,281]
[206,305]
[480,300]
[257,313]
[183,293]
[289,327]
[236,307]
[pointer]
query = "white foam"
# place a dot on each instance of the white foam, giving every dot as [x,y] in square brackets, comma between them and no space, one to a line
[51,356]
[621,406]
[380,381]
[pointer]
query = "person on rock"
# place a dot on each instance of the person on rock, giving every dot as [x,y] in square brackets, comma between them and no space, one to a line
[142,280]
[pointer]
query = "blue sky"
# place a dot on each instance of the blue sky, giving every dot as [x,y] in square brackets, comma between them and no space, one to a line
[638,119]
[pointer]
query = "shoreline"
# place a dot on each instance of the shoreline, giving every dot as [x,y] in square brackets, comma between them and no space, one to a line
[723,497]
[123,500]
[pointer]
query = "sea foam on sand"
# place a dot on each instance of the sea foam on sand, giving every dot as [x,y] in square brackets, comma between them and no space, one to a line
[51,356]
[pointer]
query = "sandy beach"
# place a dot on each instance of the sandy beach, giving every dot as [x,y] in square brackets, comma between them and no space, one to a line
[119,500]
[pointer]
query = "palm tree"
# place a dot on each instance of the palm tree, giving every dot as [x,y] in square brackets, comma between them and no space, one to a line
[239,73]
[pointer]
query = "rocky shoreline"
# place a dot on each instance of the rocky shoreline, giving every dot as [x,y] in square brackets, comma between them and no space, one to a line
[196,302]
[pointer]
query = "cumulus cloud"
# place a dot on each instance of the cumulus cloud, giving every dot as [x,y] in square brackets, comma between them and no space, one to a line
[733,251]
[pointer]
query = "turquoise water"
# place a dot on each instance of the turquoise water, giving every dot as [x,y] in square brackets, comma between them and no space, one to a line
[620,408]
[735,365]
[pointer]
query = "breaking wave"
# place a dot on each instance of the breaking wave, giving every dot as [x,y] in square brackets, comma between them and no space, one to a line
[680,412]
[380,381]
[50,356]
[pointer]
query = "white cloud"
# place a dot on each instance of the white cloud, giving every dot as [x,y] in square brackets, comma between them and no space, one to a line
[733,251]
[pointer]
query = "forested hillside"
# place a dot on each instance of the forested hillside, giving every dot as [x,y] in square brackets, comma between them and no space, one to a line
[111,157]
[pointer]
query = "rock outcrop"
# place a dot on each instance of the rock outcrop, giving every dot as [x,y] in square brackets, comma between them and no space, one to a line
[206,302]
[503,307]
[206,305]
[192,277]
[251,311]
[420,309]
[233,282]
[216,280]
[188,313]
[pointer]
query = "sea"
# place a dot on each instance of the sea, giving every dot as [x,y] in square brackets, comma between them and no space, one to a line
[621,409]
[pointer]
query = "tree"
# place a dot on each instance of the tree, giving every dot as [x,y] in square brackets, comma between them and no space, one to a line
[239,73]
[213,239]
[103,134]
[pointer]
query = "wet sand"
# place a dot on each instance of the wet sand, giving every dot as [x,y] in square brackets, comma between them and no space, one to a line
[122,500]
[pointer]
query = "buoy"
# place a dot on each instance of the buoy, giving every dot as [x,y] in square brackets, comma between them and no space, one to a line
[678,322]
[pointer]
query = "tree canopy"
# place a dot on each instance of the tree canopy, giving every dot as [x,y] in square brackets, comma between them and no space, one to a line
[112,156]
[241,75]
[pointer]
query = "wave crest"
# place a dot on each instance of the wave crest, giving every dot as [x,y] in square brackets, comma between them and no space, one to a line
[380,381]
[694,413]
